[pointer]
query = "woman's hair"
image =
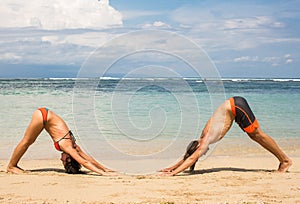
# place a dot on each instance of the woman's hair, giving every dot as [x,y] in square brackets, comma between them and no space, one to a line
[72,166]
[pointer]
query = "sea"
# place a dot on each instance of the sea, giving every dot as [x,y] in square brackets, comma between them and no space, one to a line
[136,118]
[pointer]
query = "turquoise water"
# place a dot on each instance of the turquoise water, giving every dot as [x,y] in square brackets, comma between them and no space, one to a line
[133,113]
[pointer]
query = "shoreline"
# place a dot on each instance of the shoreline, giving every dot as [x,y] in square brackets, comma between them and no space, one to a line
[228,146]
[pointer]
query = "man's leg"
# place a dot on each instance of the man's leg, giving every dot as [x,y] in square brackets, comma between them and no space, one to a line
[269,144]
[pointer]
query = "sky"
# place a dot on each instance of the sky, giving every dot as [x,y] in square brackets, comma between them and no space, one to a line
[258,39]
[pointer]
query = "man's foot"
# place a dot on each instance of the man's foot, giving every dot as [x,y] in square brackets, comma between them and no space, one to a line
[284,166]
[15,170]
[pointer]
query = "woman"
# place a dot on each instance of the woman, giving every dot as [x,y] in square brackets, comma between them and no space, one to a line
[72,156]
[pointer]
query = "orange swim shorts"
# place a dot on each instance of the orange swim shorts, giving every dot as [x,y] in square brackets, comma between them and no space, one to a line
[244,116]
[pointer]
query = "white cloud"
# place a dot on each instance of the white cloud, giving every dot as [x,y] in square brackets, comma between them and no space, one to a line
[156,24]
[272,60]
[246,59]
[31,46]
[287,55]
[10,57]
[57,14]
[252,23]
[136,14]
[242,59]
[225,26]
[289,61]
[89,39]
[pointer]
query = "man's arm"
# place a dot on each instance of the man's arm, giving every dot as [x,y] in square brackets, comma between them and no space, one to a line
[201,150]
[170,169]
[186,164]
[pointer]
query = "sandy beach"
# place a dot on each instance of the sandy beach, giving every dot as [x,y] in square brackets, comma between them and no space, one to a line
[223,177]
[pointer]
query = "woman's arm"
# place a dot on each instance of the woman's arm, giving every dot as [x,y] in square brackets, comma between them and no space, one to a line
[92,160]
[87,164]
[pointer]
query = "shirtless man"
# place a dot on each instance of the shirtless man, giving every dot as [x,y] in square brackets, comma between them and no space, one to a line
[218,125]
[72,156]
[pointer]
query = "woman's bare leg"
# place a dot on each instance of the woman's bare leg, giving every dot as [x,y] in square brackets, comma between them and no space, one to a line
[32,132]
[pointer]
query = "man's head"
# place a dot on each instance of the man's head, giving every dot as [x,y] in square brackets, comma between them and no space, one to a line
[70,164]
[191,148]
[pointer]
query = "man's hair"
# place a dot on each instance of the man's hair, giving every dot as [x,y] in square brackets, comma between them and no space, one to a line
[72,166]
[191,148]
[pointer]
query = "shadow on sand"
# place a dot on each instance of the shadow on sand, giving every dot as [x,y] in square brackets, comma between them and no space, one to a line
[48,170]
[232,169]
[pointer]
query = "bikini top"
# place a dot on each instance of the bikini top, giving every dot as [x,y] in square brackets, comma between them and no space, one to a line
[56,143]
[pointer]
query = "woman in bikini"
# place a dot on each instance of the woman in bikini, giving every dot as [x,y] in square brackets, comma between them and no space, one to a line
[72,156]
[235,108]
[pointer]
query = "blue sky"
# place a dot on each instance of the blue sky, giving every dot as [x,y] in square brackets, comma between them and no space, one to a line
[242,38]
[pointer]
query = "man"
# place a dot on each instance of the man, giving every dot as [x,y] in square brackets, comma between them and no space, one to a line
[218,125]
[72,156]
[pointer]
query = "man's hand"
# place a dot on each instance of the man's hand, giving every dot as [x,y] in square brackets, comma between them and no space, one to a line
[166,170]
[166,174]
